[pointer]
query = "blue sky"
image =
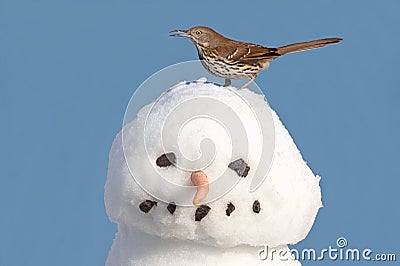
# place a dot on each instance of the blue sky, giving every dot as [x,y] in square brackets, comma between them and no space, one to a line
[69,68]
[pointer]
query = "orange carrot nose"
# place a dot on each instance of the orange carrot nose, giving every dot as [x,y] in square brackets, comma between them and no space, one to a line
[199,179]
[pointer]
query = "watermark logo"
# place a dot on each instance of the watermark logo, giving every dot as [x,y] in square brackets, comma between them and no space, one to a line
[341,242]
[340,252]
[193,120]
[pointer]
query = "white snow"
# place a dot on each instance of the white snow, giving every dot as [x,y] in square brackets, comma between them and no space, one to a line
[290,196]
[136,248]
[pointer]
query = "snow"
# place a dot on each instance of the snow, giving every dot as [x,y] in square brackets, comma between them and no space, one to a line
[289,197]
[136,248]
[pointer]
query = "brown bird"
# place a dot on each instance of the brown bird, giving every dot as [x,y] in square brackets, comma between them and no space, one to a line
[230,59]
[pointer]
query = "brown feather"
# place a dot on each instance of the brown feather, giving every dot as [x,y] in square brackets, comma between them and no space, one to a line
[301,46]
[245,52]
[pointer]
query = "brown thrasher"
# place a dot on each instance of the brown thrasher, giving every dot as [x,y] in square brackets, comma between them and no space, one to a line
[230,59]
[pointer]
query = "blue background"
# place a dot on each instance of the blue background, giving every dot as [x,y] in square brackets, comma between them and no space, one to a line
[69,68]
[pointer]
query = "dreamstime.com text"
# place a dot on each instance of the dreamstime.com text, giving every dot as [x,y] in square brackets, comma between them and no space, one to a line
[339,252]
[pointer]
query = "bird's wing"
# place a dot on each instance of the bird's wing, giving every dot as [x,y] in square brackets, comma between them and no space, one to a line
[247,53]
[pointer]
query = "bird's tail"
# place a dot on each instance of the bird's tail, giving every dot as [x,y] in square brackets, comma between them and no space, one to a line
[301,46]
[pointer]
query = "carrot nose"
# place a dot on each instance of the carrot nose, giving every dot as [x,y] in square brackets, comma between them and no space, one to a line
[199,179]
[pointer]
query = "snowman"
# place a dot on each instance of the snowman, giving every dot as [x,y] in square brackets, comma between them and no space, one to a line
[208,175]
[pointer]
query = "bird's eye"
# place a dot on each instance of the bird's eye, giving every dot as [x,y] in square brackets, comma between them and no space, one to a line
[198,32]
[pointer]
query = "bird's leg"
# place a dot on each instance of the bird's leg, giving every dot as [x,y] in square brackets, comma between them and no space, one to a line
[227,83]
[247,83]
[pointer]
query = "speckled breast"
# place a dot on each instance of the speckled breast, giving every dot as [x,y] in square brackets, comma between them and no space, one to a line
[230,71]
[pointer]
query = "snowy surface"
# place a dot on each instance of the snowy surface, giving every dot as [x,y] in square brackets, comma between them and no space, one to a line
[136,248]
[290,196]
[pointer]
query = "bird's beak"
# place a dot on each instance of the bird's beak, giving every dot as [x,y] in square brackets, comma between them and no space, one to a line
[179,33]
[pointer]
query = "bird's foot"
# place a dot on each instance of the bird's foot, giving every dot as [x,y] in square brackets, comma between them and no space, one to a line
[247,83]
[227,83]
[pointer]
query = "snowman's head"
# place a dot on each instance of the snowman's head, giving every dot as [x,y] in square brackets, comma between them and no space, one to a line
[194,184]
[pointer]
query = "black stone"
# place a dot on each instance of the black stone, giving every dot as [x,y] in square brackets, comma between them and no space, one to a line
[256,206]
[171,208]
[246,171]
[201,212]
[240,167]
[230,208]
[146,205]
[166,159]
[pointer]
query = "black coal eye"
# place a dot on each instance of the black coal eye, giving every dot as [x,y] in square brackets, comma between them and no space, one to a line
[240,167]
[166,159]
[198,32]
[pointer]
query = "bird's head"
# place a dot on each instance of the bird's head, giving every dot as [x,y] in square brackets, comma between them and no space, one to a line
[200,35]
